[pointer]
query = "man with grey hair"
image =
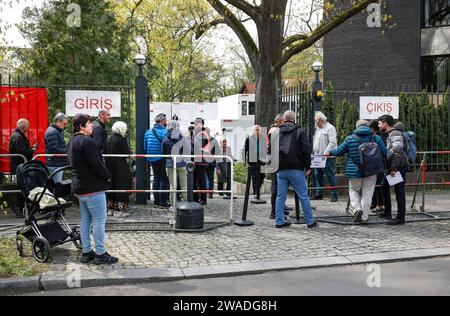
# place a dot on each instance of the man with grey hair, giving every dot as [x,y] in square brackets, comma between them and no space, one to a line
[153,146]
[56,145]
[294,166]
[253,158]
[99,134]
[20,145]
[361,184]
[325,140]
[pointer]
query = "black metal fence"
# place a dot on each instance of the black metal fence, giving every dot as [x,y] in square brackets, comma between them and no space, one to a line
[426,114]
[57,101]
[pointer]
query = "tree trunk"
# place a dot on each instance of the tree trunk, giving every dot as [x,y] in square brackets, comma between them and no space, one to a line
[268,80]
[266,95]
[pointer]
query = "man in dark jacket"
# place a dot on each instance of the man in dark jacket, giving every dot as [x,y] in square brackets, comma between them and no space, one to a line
[254,153]
[397,161]
[294,161]
[56,145]
[19,144]
[99,134]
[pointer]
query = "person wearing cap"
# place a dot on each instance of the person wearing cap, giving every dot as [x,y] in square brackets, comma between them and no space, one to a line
[153,146]
[397,161]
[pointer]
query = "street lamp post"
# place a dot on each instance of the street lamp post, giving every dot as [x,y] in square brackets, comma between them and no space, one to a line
[142,125]
[316,98]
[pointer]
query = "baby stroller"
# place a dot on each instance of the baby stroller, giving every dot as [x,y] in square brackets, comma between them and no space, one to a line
[44,227]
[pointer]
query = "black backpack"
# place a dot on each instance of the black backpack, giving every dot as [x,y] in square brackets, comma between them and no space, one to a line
[370,157]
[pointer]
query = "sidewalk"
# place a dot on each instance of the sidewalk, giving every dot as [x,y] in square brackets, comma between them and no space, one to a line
[231,250]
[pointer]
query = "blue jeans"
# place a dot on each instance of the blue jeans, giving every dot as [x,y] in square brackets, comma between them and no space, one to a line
[160,182]
[297,179]
[93,217]
[57,177]
[329,172]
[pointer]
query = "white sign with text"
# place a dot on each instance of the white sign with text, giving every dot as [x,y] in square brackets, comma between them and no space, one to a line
[372,108]
[91,102]
[318,162]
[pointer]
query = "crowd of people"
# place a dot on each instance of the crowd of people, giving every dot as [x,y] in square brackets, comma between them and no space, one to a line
[375,150]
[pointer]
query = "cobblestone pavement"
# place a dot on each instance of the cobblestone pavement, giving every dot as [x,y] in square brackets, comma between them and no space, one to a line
[259,243]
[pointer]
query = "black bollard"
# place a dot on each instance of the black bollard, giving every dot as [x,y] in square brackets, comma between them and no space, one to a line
[244,222]
[258,187]
[190,215]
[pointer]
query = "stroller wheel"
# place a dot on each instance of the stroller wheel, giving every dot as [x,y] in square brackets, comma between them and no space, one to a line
[19,244]
[76,239]
[40,249]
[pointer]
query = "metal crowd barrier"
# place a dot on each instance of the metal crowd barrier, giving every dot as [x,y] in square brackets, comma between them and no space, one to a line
[174,191]
[8,156]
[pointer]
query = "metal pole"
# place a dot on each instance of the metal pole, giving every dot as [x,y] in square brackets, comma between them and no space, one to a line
[244,221]
[142,125]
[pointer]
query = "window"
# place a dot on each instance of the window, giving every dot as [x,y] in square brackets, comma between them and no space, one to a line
[436,13]
[244,108]
[251,108]
[436,73]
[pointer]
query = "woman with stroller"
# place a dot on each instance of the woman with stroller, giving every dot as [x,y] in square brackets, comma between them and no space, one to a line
[89,182]
[119,168]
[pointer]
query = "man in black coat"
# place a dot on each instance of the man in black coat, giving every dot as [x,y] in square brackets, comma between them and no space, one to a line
[55,144]
[99,134]
[19,144]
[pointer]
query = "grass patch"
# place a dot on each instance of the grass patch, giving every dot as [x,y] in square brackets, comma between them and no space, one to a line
[12,265]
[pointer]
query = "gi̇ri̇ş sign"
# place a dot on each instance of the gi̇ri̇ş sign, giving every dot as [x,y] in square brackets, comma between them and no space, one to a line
[372,108]
[91,102]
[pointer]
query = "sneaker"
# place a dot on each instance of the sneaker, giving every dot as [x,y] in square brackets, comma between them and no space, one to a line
[396,222]
[203,203]
[317,198]
[313,225]
[334,199]
[272,216]
[105,259]
[167,205]
[288,208]
[364,222]
[121,214]
[358,216]
[286,224]
[110,212]
[87,257]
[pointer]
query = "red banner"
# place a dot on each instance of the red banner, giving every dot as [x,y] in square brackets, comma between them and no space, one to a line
[22,103]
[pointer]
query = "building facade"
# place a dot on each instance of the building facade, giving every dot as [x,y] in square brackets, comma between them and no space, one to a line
[410,51]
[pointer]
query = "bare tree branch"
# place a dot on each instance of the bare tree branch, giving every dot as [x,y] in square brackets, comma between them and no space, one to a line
[244,6]
[324,28]
[244,36]
[294,38]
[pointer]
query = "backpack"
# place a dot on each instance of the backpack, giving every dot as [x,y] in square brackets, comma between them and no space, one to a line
[370,157]
[411,151]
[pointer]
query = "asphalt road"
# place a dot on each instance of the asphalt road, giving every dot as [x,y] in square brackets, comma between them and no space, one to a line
[425,277]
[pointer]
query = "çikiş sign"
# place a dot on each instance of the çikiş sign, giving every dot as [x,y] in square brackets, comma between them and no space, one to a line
[373,107]
[91,102]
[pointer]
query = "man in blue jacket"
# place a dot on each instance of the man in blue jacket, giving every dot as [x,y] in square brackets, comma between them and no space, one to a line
[56,145]
[357,181]
[153,146]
